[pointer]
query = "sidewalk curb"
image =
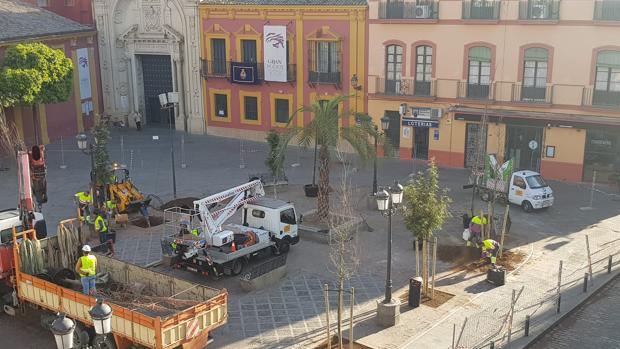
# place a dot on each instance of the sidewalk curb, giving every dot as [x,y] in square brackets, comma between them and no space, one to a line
[536,338]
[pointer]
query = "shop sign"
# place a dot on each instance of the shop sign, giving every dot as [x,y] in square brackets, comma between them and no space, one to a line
[420,123]
[421,113]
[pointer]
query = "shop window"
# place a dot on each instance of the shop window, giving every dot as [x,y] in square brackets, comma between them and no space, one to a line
[251,108]
[282,110]
[221,105]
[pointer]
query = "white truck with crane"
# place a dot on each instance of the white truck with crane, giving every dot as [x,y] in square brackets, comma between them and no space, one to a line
[197,239]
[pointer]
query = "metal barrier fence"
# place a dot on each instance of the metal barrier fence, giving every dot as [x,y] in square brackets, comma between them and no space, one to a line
[503,319]
[265,267]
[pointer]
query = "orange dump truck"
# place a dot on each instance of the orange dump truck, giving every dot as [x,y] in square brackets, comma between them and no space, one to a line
[173,313]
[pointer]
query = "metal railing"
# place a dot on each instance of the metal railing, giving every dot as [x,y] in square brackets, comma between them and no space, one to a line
[539,10]
[486,9]
[215,69]
[405,87]
[316,77]
[474,91]
[265,267]
[600,98]
[421,9]
[531,94]
[607,10]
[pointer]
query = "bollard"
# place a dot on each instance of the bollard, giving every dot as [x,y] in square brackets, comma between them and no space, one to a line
[527,326]
[491,345]
[62,155]
[557,310]
[585,282]
[609,262]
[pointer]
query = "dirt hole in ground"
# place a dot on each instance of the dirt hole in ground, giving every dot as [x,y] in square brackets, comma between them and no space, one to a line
[468,258]
[439,298]
[187,203]
[334,344]
[141,221]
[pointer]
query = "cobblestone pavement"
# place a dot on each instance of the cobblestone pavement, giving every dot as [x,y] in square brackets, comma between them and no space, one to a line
[593,326]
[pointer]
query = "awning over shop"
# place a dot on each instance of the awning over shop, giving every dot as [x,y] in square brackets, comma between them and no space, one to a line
[540,117]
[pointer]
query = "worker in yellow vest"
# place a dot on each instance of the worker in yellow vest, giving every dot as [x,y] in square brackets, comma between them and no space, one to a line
[84,200]
[86,267]
[490,248]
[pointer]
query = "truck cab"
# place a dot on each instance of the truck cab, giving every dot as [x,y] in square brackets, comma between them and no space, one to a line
[276,216]
[529,190]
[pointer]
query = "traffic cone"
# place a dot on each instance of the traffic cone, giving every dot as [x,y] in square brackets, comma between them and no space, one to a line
[233,247]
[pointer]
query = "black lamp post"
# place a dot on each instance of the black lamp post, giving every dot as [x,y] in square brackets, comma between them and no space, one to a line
[62,328]
[102,317]
[168,101]
[89,149]
[385,124]
[387,202]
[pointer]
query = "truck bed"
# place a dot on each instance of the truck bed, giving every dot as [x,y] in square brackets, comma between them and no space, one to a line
[157,320]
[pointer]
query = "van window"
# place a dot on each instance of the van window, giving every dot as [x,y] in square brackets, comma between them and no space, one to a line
[258,213]
[519,182]
[7,234]
[536,182]
[288,216]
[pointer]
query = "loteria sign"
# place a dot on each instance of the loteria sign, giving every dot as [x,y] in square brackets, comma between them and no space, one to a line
[274,56]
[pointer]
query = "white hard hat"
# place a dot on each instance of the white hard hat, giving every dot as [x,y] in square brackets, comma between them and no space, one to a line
[86,248]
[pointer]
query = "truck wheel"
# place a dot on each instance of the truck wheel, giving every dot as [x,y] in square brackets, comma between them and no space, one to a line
[104,342]
[237,267]
[284,247]
[527,206]
[81,338]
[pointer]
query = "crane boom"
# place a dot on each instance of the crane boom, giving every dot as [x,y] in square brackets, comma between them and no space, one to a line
[237,197]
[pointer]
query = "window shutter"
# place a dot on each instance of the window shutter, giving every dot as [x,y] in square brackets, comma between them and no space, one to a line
[610,59]
[535,54]
[312,55]
[480,53]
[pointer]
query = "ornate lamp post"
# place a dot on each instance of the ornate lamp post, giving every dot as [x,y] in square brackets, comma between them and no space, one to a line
[89,149]
[387,203]
[62,328]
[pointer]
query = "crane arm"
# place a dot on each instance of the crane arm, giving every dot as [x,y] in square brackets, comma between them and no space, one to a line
[237,196]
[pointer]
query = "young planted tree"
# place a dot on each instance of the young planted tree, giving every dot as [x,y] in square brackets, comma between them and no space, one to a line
[325,128]
[275,158]
[426,209]
[33,74]
[101,158]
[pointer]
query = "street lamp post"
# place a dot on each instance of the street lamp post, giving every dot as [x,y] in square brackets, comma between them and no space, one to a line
[63,328]
[385,124]
[387,203]
[168,101]
[89,149]
[101,314]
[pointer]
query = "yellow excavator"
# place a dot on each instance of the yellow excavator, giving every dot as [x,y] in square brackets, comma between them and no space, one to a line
[122,192]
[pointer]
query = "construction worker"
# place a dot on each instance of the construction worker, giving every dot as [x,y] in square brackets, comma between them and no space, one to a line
[84,200]
[86,267]
[490,248]
[475,228]
[101,227]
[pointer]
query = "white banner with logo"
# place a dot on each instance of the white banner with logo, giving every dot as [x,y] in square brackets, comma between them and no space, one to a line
[274,56]
[84,73]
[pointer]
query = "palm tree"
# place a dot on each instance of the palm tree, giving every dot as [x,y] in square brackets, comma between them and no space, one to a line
[325,130]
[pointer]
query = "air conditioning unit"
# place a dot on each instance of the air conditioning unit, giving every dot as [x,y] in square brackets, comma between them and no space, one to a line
[422,11]
[540,11]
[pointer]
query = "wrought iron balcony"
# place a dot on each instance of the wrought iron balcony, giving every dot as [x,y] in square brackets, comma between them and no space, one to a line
[531,94]
[215,69]
[405,87]
[607,10]
[474,91]
[601,98]
[485,9]
[316,77]
[539,10]
[424,9]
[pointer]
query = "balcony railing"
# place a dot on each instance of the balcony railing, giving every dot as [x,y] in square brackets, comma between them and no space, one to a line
[316,77]
[421,9]
[531,94]
[405,87]
[486,9]
[539,10]
[215,69]
[474,91]
[601,98]
[607,10]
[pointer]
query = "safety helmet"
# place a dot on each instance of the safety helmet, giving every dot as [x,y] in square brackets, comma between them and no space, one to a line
[86,248]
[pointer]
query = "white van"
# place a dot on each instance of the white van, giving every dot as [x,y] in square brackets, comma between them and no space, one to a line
[10,218]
